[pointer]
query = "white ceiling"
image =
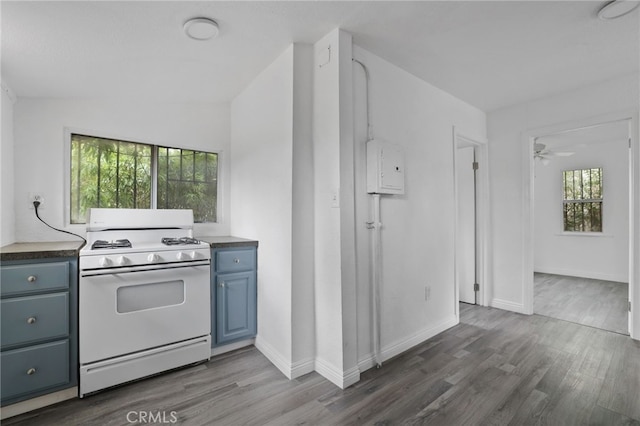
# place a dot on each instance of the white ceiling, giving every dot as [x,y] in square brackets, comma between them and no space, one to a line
[490,54]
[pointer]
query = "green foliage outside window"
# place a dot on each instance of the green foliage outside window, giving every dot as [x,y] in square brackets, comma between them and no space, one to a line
[188,180]
[111,173]
[582,205]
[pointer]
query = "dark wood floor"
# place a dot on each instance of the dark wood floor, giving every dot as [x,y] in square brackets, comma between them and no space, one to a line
[596,303]
[494,368]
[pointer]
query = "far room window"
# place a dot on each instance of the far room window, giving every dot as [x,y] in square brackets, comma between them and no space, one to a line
[582,204]
[112,173]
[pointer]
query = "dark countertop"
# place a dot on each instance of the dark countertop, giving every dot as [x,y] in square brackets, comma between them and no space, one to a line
[40,250]
[44,250]
[226,241]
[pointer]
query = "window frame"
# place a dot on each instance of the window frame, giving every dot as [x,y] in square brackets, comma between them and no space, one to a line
[69,132]
[565,201]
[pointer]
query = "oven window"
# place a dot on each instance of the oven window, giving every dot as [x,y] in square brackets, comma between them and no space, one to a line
[149,296]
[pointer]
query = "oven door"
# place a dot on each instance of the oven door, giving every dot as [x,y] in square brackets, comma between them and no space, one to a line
[130,310]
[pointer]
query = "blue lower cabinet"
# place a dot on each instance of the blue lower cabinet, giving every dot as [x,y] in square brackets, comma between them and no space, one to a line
[34,318]
[234,295]
[236,260]
[39,328]
[235,306]
[29,277]
[35,368]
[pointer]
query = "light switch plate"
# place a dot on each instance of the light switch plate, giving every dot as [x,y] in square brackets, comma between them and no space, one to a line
[335,200]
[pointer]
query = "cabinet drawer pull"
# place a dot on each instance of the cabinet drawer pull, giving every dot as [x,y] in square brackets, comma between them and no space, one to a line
[32,278]
[221,284]
[236,260]
[31,371]
[31,320]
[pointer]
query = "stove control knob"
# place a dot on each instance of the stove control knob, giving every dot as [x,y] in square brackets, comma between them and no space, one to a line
[192,254]
[181,256]
[153,257]
[104,261]
[121,260]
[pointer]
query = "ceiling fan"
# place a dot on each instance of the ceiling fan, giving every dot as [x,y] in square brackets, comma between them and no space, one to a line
[542,154]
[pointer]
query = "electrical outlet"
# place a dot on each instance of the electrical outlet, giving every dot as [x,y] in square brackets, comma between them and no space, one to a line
[427,293]
[35,196]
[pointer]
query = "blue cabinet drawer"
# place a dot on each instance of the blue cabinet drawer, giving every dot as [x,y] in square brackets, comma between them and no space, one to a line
[24,279]
[235,260]
[33,318]
[34,368]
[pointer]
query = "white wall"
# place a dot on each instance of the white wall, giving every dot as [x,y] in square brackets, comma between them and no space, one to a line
[40,163]
[7,215]
[334,253]
[417,241]
[417,231]
[506,130]
[351,372]
[600,257]
[261,197]
[303,302]
[326,157]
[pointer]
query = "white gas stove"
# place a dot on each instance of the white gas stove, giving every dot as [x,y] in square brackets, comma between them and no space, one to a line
[144,296]
[119,238]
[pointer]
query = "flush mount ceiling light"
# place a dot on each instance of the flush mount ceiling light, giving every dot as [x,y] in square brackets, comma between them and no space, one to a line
[617,8]
[201,28]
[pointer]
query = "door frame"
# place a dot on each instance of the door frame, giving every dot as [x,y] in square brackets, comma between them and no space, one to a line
[528,139]
[483,260]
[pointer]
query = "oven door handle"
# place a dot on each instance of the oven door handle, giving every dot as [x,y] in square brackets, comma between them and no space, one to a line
[143,268]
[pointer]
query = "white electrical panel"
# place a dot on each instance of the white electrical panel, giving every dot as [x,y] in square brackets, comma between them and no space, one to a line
[385,168]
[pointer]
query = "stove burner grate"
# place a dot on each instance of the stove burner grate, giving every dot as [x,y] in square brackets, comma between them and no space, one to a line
[179,241]
[101,244]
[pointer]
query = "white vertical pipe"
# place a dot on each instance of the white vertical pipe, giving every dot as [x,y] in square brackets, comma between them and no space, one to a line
[376,242]
[376,262]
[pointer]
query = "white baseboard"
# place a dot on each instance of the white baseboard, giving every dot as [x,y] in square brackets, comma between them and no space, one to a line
[274,356]
[366,362]
[350,377]
[290,370]
[342,379]
[300,368]
[38,402]
[621,278]
[346,378]
[508,306]
[404,345]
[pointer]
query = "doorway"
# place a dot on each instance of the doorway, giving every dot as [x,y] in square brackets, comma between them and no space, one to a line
[580,260]
[471,202]
[466,237]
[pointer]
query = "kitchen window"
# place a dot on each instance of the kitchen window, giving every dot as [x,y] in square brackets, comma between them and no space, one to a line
[112,173]
[187,179]
[582,201]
